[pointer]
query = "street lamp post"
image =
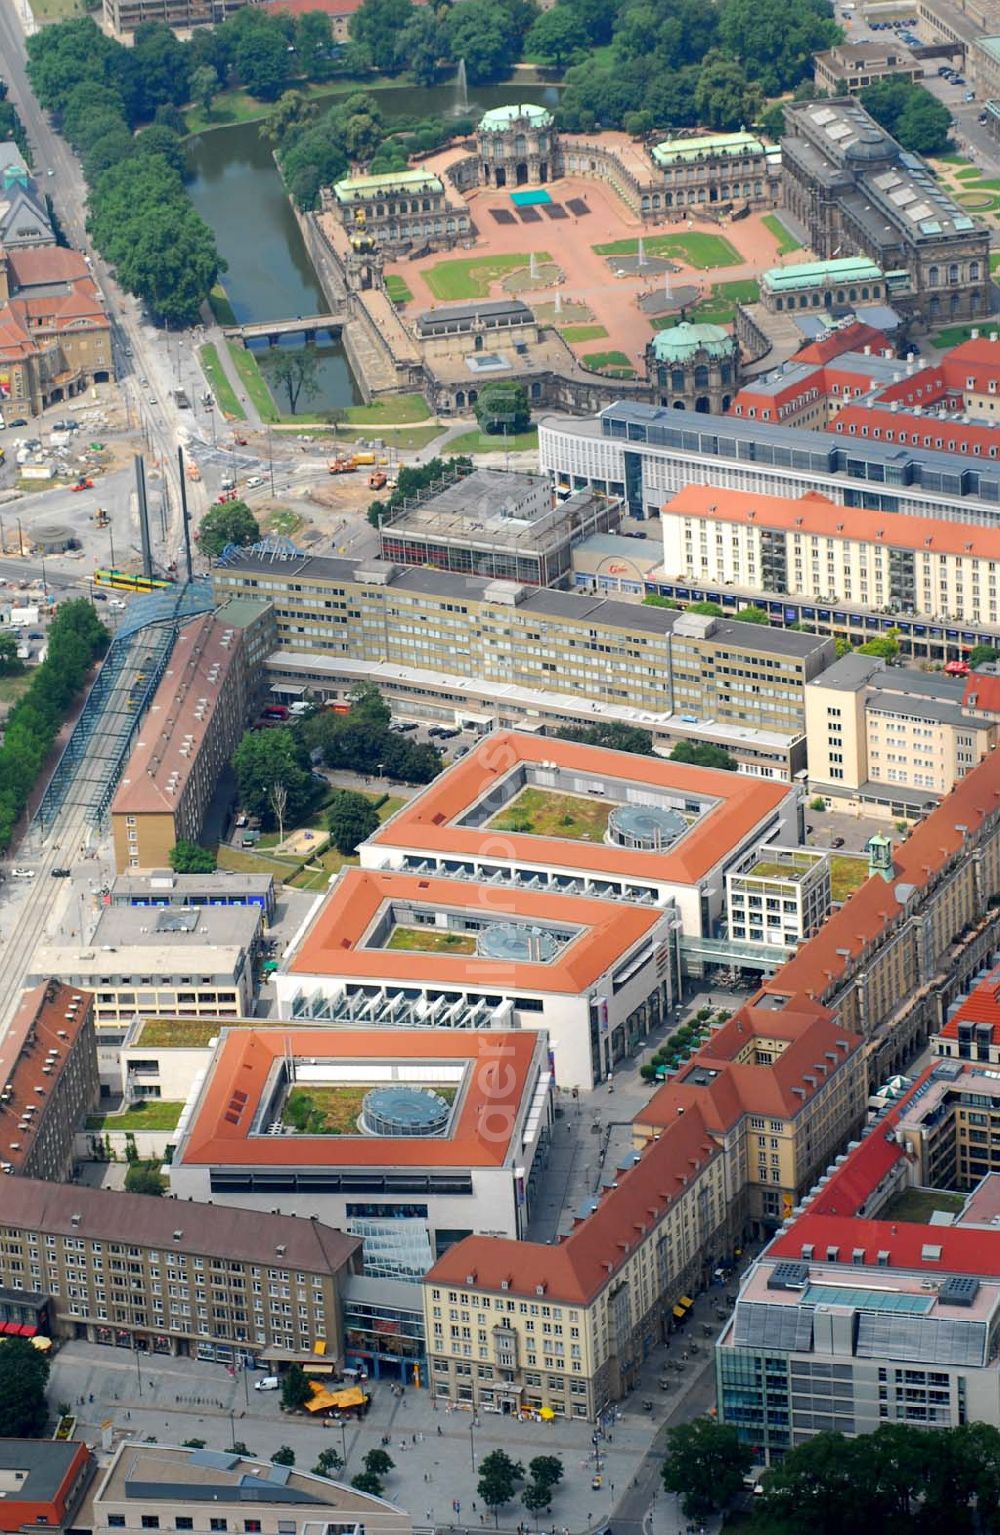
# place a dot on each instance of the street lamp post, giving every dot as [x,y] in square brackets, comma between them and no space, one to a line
[343,1441]
[472,1440]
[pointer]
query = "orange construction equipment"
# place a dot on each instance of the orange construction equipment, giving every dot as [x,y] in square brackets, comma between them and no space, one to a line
[377,479]
[340,466]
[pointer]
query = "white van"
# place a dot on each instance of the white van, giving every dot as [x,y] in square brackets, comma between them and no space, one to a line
[269,1383]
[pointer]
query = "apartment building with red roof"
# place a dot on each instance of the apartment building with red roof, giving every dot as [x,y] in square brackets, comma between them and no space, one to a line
[566,1325]
[388,947]
[879,1300]
[55,337]
[48,1081]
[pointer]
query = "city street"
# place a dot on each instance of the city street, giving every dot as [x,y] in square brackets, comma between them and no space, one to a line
[437,1451]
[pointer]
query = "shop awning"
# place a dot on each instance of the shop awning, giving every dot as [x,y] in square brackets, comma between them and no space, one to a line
[686,1302]
[17,1330]
[679,1312]
[318,1369]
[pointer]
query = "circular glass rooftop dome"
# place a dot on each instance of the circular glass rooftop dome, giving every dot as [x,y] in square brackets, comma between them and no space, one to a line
[519,944]
[870,146]
[499,119]
[645,827]
[682,342]
[398,1112]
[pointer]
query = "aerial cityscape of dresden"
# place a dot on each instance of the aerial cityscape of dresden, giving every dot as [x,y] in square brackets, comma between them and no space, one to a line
[499,826]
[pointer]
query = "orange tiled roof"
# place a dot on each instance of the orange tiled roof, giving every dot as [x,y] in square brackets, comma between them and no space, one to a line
[576,1269]
[690,1120]
[334,944]
[47,1019]
[427,823]
[982,692]
[813,513]
[848,338]
[874,906]
[487,1115]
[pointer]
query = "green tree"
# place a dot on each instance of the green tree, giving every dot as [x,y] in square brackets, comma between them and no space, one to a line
[724,97]
[156,70]
[297,372]
[189,858]
[378,1463]
[556,36]
[705,1465]
[262,59]
[293,110]
[619,738]
[710,609]
[503,407]
[283,1456]
[774,40]
[498,1479]
[411,480]
[10,666]
[367,1481]
[24,1373]
[425,42]
[772,120]
[295,1392]
[753,615]
[703,754]
[536,1497]
[266,759]
[231,523]
[352,820]
[981,655]
[205,85]
[884,645]
[327,1462]
[546,1470]
[314,41]
[910,113]
[377,30]
[479,33]
[144,1178]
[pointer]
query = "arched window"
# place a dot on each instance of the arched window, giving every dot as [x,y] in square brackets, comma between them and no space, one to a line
[933,277]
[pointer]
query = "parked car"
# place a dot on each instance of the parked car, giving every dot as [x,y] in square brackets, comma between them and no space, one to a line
[18,421]
[60,873]
[23,873]
[255,481]
[268,1383]
[837,842]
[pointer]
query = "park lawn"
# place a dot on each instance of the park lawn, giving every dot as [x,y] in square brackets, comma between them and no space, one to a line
[316,874]
[253,381]
[147,1114]
[746,290]
[237,106]
[243,860]
[583,332]
[431,940]
[405,439]
[953,159]
[472,278]
[609,362]
[218,300]
[846,874]
[397,409]
[704,251]
[953,336]
[546,814]
[395,287]
[479,442]
[11,688]
[786,240]
[994,260]
[56,10]
[218,382]
[282,521]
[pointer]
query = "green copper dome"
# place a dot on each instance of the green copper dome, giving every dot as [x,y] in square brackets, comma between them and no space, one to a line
[681,342]
[501,118]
